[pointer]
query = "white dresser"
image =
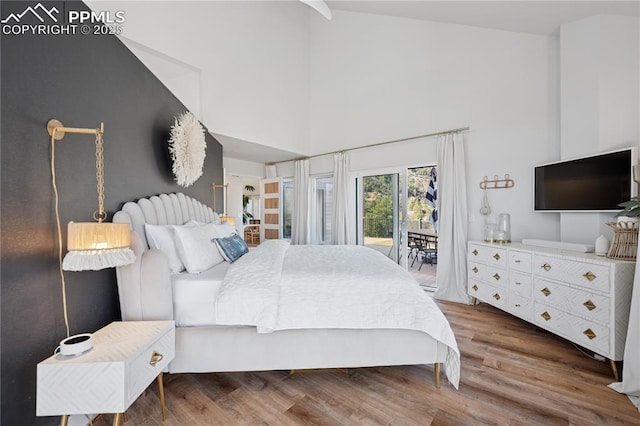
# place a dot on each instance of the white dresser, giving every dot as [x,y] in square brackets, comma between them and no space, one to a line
[580,296]
[126,357]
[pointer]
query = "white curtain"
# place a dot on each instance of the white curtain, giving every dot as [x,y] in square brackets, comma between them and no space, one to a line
[270,171]
[341,223]
[452,213]
[631,373]
[300,210]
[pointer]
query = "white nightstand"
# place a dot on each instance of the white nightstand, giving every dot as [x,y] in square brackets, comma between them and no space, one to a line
[126,357]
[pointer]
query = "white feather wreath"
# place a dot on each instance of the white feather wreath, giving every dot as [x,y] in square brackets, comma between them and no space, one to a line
[187,147]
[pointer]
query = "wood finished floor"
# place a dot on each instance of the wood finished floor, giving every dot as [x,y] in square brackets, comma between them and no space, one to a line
[512,374]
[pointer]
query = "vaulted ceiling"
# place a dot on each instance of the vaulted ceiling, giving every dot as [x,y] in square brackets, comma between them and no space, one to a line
[535,17]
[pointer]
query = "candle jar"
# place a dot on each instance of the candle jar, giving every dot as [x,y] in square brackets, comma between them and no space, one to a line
[490,230]
[503,234]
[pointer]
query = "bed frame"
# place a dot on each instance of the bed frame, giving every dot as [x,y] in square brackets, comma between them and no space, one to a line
[146,294]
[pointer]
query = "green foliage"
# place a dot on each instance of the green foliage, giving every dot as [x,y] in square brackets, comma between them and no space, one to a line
[631,208]
[378,206]
[418,181]
[418,210]
[378,202]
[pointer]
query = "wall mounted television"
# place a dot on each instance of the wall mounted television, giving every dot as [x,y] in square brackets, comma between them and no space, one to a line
[595,183]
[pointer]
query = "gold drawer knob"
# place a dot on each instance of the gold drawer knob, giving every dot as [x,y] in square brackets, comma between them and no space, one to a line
[475,252]
[589,305]
[589,333]
[546,266]
[546,316]
[155,358]
[589,275]
[496,296]
[546,291]
[496,276]
[475,270]
[496,256]
[475,287]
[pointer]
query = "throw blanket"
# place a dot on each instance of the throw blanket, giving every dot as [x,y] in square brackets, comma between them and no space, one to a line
[283,287]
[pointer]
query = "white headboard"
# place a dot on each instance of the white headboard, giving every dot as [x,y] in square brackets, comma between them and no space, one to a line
[144,287]
[163,209]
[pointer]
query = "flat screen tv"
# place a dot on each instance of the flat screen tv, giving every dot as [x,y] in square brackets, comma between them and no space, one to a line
[597,183]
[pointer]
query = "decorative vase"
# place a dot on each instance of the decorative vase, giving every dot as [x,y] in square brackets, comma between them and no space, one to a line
[489,232]
[602,246]
[503,234]
[625,240]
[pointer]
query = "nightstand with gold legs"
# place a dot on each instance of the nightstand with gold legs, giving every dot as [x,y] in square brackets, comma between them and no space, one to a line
[119,418]
[126,358]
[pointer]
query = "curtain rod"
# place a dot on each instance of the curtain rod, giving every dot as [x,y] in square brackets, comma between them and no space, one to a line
[461,129]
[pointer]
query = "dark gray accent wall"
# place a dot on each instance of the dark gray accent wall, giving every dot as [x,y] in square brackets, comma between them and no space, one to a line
[81,80]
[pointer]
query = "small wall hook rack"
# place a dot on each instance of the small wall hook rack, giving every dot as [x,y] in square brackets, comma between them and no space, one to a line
[496,182]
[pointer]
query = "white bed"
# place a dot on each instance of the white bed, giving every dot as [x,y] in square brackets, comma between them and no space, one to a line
[299,318]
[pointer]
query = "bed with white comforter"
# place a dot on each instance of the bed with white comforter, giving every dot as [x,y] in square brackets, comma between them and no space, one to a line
[282,306]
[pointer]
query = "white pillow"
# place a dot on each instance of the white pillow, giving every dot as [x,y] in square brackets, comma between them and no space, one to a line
[195,248]
[224,230]
[161,237]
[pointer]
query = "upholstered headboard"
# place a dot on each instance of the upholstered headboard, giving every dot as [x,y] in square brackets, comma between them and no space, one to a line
[144,287]
[163,209]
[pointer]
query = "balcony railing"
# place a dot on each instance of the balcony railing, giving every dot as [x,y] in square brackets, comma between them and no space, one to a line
[381,227]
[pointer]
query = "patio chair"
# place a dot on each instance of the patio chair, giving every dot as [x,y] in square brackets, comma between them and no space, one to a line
[413,244]
[428,248]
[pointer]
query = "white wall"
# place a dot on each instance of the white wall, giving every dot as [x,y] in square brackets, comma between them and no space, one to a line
[180,78]
[377,78]
[254,58]
[274,74]
[600,106]
[233,166]
[234,198]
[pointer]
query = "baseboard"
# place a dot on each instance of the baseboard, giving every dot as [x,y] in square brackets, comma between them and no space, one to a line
[560,245]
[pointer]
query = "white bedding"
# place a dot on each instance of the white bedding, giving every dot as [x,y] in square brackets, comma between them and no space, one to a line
[194,295]
[283,287]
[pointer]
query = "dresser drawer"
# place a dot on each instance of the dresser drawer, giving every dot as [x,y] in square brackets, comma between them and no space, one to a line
[588,275]
[142,369]
[493,295]
[594,307]
[520,261]
[520,284]
[519,306]
[585,333]
[586,298]
[489,255]
[488,273]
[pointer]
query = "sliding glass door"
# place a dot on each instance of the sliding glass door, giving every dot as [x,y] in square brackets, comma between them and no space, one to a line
[393,202]
[421,198]
[380,213]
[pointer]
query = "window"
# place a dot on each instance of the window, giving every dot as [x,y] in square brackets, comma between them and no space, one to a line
[287,209]
[321,209]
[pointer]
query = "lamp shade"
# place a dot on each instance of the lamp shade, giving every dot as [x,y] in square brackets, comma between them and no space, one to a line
[230,219]
[94,246]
